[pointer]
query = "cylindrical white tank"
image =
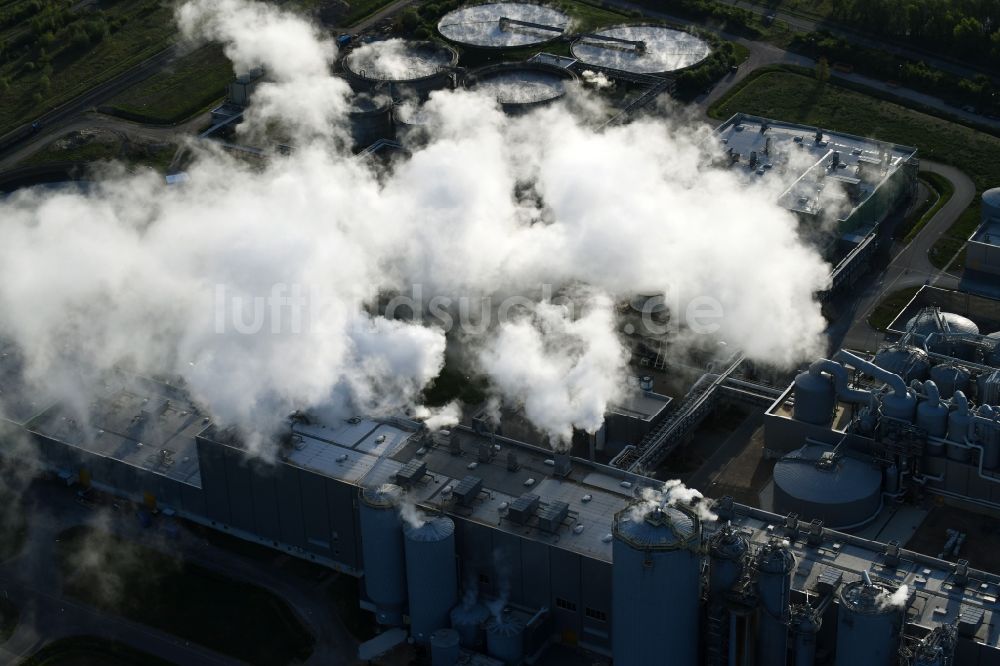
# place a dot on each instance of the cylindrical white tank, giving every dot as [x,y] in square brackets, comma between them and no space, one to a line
[815,397]
[382,553]
[469,620]
[656,586]
[775,564]
[431,575]
[869,622]
[445,650]
[727,551]
[505,639]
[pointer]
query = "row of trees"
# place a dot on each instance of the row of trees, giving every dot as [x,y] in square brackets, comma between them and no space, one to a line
[969,29]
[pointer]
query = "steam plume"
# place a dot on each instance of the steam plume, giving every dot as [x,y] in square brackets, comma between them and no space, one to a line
[257,284]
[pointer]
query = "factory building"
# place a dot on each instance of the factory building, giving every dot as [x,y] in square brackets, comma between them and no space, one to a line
[479,544]
[827,179]
[919,418]
[982,253]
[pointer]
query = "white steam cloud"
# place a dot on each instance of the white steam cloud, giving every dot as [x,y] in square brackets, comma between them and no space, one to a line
[671,493]
[259,284]
[436,418]
[897,599]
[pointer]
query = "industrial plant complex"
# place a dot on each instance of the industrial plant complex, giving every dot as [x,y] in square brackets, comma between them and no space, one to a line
[488,542]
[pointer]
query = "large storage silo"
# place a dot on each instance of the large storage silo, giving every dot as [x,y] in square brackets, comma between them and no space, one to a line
[431,575]
[656,577]
[839,490]
[869,622]
[505,639]
[727,550]
[469,620]
[382,553]
[805,628]
[775,564]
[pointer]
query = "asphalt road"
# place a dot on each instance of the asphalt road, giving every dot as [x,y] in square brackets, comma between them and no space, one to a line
[909,267]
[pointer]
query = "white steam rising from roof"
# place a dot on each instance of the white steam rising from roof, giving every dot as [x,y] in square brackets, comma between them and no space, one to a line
[671,493]
[258,285]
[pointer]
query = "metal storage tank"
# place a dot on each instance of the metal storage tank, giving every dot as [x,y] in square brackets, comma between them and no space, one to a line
[897,406]
[950,378]
[503,25]
[520,87]
[908,362]
[727,550]
[656,575]
[932,413]
[382,552]
[505,639]
[815,398]
[371,118]
[431,575]
[991,204]
[469,620]
[402,67]
[805,626]
[445,649]
[775,564]
[960,418]
[868,625]
[641,49]
[839,490]
[932,320]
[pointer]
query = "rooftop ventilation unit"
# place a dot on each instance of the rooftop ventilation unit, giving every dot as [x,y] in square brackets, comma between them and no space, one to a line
[563,466]
[468,490]
[551,516]
[523,508]
[411,474]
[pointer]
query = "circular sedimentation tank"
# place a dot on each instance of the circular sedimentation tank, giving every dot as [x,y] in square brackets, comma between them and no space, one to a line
[641,49]
[842,492]
[520,86]
[503,25]
[416,65]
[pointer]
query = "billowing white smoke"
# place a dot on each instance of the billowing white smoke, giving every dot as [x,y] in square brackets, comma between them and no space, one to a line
[562,370]
[897,599]
[598,80]
[395,59]
[671,493]
[436,418]
[257,284]
[408,510]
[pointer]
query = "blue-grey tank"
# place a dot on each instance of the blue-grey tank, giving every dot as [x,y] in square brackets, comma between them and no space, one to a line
[656,576]
[845,493]
[868,625]
[958,425]
[932,416]
[908,362]
[991,204]
[727,550]
[805,627]
[431,575]
[505,639]
[989,439]
[815,398]
[900,407]
[445,648]
[382,553]
[950,378]
[469,620]
[775,564]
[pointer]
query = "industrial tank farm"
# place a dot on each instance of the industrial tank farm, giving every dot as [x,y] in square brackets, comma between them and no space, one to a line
[401,64]
[503,25]
[641,49]
[519,87]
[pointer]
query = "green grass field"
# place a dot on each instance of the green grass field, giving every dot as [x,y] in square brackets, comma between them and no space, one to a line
[797,97]
[886,311]
[193,83]
[182,599]
[83,49]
